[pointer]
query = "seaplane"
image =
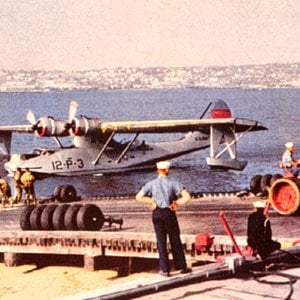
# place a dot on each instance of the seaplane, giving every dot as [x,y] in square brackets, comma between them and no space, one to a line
[95,150]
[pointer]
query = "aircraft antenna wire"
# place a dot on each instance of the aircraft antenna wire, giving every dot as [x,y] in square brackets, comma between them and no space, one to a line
[205,111]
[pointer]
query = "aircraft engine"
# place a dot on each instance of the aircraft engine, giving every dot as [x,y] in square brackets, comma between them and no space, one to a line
[84,126]
[48,126]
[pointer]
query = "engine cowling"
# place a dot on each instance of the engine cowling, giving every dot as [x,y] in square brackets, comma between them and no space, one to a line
[84,126]
[48,126]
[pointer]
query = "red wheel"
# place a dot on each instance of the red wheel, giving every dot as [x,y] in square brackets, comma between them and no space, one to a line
[284,196]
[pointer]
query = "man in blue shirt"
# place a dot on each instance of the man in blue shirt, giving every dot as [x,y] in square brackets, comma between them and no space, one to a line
[164,195]
[288,161]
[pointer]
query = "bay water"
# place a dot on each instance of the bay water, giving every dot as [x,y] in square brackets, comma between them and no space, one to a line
[277,109]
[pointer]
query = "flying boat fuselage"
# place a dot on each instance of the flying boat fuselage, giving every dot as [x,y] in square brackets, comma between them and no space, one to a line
[75,161]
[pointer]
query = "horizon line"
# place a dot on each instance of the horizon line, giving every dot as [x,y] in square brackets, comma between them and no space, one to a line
[151,67]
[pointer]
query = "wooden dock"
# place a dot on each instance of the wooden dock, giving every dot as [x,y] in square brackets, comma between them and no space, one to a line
[91,244]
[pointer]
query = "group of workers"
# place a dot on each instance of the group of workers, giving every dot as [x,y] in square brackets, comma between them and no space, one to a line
[164,195]
[22,180]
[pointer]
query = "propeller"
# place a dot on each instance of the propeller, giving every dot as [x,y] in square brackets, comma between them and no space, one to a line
[48,126]
[72,114]
[72,110]
[30,117]
[32,120]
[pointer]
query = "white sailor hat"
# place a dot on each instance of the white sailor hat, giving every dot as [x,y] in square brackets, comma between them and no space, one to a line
[259,204]
[289,145]
[163,165]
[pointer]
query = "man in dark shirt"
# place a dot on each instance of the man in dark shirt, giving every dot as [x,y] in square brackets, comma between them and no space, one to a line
[259,232]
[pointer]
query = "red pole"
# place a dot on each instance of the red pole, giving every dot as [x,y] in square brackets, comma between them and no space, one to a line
[228,231]
[266,210]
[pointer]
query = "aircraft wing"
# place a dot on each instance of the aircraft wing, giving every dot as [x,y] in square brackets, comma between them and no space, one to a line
[161,126]
[16,128]
[166,126]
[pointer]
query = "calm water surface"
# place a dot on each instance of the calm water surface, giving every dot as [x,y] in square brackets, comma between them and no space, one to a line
[278,109]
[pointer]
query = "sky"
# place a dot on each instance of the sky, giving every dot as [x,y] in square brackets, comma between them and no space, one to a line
[74,35]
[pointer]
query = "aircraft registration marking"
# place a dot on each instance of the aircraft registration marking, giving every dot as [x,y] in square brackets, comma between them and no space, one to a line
[68,163]
[201,138]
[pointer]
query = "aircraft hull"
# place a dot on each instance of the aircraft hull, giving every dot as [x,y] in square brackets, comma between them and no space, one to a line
[83,161]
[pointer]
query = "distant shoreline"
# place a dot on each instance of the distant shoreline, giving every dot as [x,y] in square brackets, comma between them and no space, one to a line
[242,77]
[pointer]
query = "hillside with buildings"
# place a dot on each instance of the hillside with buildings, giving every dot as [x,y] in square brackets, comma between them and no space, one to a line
[245,76]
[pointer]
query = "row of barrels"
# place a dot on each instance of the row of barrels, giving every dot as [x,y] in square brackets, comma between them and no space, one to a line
[260,184]
[283,192]
[88,217]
